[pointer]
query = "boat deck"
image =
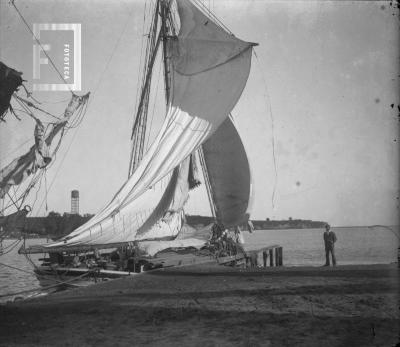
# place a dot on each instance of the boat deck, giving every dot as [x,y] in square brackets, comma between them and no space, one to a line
[251,258]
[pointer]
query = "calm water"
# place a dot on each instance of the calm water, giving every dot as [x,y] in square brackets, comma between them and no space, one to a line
[356,245]
[12,280]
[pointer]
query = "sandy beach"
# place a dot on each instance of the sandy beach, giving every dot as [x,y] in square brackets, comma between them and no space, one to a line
[216,306]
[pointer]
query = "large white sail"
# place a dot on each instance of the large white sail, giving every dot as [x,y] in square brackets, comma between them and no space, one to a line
[210,70]
[229,175]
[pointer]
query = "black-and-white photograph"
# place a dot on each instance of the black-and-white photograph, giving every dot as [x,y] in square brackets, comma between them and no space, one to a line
[199,173]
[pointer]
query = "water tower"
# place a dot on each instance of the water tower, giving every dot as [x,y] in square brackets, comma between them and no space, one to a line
[75,202]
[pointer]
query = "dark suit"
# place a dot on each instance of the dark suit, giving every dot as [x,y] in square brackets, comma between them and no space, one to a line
[329,240]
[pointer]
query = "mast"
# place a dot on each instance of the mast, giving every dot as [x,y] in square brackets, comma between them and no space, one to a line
[139,126]
[165,13]
[207,183]
[205,84]
[166,29]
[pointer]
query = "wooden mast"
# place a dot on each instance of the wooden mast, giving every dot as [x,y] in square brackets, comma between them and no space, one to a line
[139,126]
[167,30]
[165,13]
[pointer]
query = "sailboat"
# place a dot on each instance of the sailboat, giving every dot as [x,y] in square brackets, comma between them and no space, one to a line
[205,72]
[27,169]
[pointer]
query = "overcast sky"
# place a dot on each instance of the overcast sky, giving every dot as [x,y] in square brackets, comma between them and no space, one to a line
[326,75]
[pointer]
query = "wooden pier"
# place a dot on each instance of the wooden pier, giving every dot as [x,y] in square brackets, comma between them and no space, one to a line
[266,256]
[262,257]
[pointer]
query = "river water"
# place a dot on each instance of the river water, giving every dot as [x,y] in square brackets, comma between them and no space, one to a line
[355,245]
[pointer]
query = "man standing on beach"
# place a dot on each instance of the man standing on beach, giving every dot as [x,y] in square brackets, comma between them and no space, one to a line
[329,240]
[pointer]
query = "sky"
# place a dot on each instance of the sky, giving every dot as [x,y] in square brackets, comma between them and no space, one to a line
[320,90]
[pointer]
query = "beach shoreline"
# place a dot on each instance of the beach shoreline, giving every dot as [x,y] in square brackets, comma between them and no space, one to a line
[348,305]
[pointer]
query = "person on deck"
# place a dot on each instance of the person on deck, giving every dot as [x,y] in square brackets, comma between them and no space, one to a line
[329,240]
[76,261]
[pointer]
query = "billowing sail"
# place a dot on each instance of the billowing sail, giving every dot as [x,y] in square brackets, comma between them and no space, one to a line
[229,175]
[156,214]
[210,70]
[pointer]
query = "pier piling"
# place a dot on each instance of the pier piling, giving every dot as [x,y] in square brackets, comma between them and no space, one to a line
[260,257]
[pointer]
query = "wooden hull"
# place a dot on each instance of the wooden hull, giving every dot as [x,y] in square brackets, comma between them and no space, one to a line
[75,277]
[59,278]
[76,272]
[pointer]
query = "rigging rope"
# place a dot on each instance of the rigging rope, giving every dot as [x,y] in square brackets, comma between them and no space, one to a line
[207,182]
[38,178]
[23,196]
[28,103]
[10,250]
[81,113]
[15,268]
[51,102]
[112,53]
[14,203]
[46,276]
[27,110]
[39,43]
[48,287]
[272,131]
[16,149]
[140,122]
[141,57]
[12,245]
[45,187]
[29,94]
[212,15]
[154,107]
[79,116]
[25,104]
[59,167]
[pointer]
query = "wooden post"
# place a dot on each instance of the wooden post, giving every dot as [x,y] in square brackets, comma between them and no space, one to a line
[265,257]
[271,257]
[254,260]
[280,257]
[277,256]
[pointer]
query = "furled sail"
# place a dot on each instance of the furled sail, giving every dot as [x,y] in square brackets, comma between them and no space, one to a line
[187,237]
[10,80]
[38,155]
[206,84]
[229,175]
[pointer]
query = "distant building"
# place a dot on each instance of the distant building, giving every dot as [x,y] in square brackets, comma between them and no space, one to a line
[75,202]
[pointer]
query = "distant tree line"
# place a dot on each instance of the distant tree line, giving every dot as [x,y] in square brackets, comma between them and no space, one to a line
[287,224]
[263,224]
[58,225]
[54,225]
